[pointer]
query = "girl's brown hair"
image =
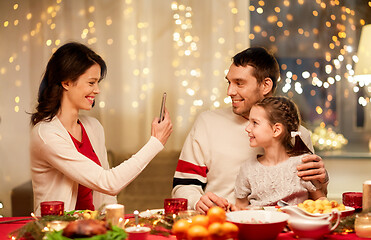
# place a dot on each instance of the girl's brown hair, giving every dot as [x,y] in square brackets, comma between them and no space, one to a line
[283,110]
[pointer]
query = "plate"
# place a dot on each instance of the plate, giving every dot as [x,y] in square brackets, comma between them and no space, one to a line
[348,211]
[344,213]
[150,212]
[271,208]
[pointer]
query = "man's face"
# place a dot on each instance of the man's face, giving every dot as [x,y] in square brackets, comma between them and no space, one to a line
[243,89]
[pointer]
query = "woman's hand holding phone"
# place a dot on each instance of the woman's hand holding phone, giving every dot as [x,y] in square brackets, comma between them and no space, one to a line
[162,127]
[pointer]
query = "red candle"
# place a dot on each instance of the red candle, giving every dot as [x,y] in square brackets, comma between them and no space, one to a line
[52,208]
[353,199]
[175,205]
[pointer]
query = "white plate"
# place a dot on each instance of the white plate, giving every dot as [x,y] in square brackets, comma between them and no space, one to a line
[347,211]
[149,213]
[271,208]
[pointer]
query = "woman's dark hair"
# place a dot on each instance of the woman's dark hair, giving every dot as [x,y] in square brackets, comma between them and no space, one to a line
[69,62]
[264,63]
[283,110]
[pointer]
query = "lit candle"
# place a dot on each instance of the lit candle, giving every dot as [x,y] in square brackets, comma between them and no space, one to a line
[366,200]
[115,212]
[136,213]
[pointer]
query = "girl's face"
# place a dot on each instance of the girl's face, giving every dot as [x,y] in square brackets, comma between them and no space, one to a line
[259,128]
[81,93]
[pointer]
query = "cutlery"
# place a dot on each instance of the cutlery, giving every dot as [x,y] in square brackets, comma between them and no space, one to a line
[282,203]
[17,220]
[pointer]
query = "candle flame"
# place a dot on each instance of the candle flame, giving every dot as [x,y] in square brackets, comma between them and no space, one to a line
[34,216]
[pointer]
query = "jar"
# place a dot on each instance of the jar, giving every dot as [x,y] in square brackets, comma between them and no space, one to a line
[362,225]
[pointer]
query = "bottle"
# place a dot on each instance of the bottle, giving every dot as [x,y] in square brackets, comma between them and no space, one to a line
[362,223]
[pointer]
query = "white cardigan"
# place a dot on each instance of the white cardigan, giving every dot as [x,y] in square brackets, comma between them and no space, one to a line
[57,168]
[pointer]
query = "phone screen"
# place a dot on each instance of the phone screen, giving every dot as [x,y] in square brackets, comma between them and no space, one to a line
[162,111]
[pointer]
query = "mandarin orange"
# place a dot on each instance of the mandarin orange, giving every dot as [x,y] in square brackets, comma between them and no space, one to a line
[201,220]
[180,229]
[215,231]
[229,230]
[197,232]
[216,214]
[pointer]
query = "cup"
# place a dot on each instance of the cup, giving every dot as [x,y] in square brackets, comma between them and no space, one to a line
[137,232]
[175,205]
[52,208]
[115,214]
[362,225]
[353,199]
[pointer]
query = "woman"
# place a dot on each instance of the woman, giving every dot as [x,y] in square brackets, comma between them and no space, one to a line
[68,153]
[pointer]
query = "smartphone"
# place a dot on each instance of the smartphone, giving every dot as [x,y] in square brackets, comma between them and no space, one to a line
[162,111]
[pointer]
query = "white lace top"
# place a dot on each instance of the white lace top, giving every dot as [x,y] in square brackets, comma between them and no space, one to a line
[265,185]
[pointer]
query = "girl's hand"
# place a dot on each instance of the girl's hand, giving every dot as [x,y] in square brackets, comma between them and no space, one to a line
[162,130]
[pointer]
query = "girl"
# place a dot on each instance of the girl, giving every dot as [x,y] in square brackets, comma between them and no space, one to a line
[273,125]
[68,153]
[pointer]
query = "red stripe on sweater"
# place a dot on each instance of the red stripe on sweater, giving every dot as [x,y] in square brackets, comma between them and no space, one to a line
[186,167]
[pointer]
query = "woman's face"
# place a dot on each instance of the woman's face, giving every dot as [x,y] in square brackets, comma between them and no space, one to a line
[81,93]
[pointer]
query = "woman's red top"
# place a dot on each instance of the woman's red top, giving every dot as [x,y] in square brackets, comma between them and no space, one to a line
[85,195]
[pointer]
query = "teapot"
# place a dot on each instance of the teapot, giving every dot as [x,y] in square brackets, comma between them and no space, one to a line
[308,226]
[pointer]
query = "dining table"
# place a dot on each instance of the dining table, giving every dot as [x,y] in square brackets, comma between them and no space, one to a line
[10,224]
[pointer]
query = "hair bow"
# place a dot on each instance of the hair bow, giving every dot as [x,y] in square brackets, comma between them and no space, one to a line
[294,134]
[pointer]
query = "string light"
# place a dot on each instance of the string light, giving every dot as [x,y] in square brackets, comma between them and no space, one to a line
[338,52]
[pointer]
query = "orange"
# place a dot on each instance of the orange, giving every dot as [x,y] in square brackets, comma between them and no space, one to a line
[197,232]
[216,214]
[180,229]
[215,231]
[229,230]
[201,220]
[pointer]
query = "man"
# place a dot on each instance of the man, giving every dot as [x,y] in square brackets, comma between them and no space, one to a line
[217,145]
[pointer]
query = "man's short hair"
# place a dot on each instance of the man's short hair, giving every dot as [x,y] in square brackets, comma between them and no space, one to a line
[264,63]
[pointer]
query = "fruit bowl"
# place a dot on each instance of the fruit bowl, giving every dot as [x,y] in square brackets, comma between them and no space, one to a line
[258,224]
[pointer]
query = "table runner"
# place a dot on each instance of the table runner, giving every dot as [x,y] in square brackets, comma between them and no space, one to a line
[7,228]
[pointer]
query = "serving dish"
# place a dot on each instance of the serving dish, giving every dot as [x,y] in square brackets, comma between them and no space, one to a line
[311,226]
[258,224]
[344,213]
[151,212]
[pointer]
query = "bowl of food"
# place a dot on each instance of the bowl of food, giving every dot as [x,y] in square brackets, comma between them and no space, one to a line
[258,224]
